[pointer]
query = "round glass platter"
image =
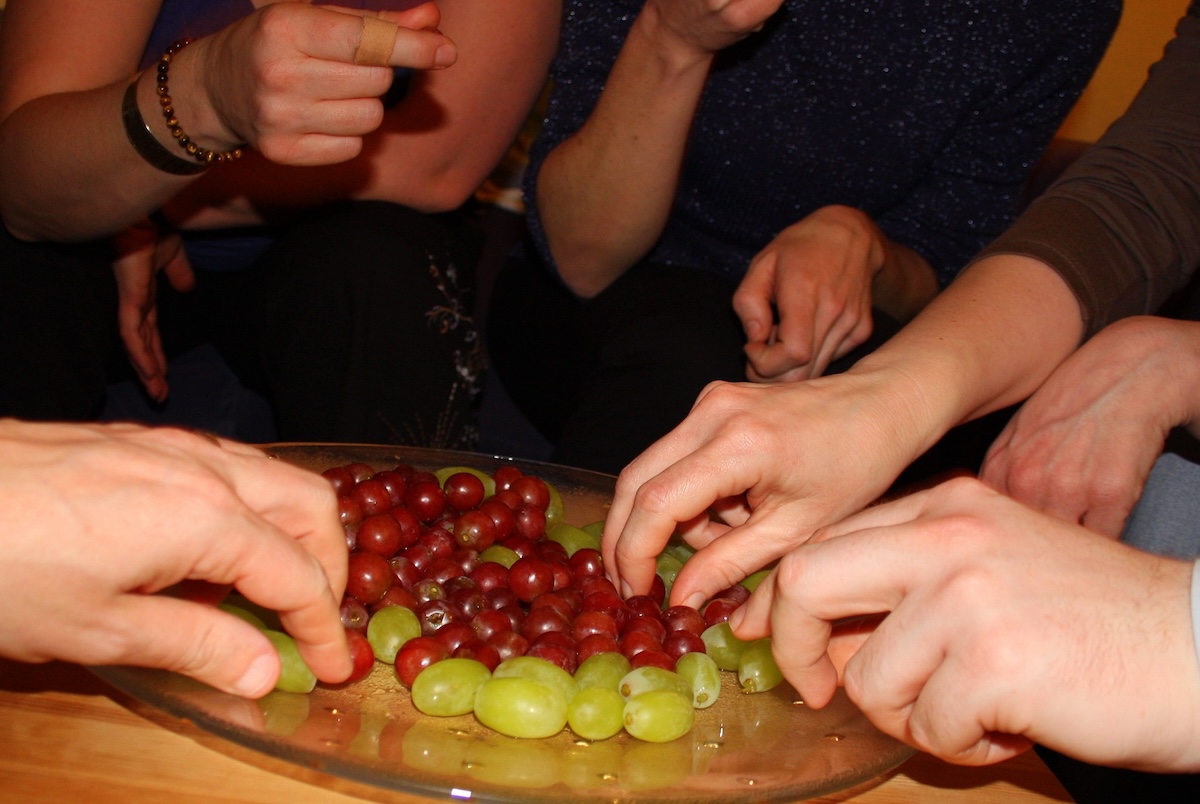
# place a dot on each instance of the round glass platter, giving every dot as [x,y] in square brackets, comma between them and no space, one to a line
[746,748]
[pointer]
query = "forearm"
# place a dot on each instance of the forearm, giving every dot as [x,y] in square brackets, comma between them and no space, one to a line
[54,189]
[986,342]
[604,195]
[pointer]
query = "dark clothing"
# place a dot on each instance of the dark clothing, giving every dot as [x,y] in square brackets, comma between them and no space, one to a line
[926,116]
[1122,224]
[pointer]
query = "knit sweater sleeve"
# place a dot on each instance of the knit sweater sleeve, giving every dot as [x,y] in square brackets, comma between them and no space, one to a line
[1122,224]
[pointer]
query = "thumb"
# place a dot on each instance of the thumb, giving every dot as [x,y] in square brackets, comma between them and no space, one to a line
[199,641]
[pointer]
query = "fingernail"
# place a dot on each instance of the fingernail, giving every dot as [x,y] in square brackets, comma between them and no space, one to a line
[626,590]
[696,601]
[445,56]
[258,678]
[735,618]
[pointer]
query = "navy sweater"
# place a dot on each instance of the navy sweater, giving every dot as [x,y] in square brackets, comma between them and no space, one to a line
[925,114]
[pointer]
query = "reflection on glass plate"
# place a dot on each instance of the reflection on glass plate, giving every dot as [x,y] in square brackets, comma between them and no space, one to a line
[746,748]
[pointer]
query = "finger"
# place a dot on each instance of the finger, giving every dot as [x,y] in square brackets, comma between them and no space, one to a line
[752,302]
[726,561]
[752,620]
[196,640]
[385,44]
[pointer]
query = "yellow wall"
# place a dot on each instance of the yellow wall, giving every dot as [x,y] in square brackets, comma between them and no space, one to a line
[1146,25]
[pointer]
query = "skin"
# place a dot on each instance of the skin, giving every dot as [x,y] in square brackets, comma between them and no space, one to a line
[119,513]
[283,81]
[605,196]
[848,436]
[972,585]
[1083,445]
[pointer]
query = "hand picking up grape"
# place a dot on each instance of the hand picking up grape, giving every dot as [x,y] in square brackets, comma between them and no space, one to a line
[486,602]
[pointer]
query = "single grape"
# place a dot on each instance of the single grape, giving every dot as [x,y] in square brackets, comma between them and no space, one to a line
[602,670]
[724,648]
[643,679]
[572,539]
[520,707]
[362,655]
[757,670]
[388,630]
[243,614]
[659,716]
[416,655]
[667,566]
[448,687]
[541,671]
[703,674]
[294,673]
[454,485]
[596,713]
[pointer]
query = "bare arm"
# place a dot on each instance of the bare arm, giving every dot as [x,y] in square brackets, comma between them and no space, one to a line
[606,192]
[282,80]
[434,147]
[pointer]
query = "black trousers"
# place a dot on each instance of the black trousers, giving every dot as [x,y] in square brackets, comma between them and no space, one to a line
[356,325]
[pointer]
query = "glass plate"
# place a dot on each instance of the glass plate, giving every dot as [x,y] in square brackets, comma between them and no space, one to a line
[745,748]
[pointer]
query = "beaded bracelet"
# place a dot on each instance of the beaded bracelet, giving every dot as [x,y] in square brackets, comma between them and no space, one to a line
[202,156]
[146,144]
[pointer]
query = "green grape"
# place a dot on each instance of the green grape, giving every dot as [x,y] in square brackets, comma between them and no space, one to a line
[757,670]
[448,687]
[752,580]
[725,648]
[596,713]
[659,716]
[504,556]
[489,484]
[644,679]
[572,538]
[541,671]
[294,675]
[520,707]
[602,670]
[682,552]
[703,674]
[243,614]
[555,511]
[388,630]
[596,529]
[668,567]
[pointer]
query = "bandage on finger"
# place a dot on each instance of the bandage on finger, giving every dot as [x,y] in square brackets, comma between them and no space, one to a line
[376,42]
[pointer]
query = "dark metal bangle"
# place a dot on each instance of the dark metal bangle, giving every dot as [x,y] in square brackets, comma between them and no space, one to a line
[201,155]
[145,143]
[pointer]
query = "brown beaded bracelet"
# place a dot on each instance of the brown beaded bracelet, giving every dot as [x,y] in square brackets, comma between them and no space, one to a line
[201,155]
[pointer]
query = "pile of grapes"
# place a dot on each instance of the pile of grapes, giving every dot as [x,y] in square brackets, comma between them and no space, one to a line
[486,601]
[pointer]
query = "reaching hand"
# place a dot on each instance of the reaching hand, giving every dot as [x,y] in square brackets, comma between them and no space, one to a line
[1003,626]
[1083,445]
[142,253]
[773,462]
[97,519]
[817,276]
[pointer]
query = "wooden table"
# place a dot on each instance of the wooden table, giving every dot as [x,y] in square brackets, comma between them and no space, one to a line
[69,737]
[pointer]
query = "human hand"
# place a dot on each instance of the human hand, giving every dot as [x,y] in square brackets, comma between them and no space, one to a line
[284,79]
[96,519]
[709,27]
[1083,445]
[141,254]
[772,462]
[1003,627]
[817,275]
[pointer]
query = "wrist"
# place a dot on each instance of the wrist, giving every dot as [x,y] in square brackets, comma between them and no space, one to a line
[178,76]
[675,53]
